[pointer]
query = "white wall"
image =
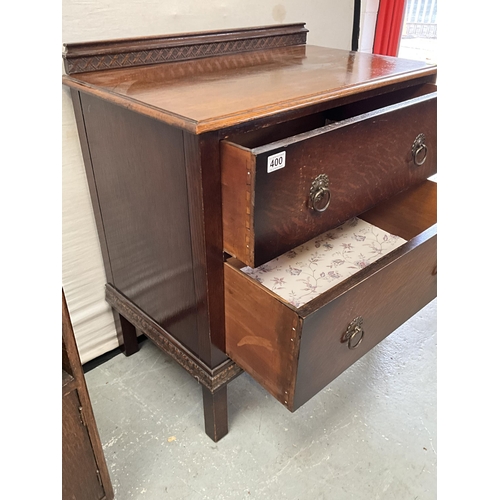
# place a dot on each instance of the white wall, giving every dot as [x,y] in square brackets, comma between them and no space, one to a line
[329,23]
[368,22]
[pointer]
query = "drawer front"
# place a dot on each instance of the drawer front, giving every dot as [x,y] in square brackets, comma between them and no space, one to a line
[383,303]
[296,352]
[365,160]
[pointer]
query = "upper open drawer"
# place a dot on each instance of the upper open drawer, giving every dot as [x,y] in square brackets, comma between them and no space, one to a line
[321,171]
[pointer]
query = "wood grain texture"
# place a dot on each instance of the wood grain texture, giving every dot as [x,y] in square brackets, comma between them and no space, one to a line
[89,171]
[215,412]
[267,133]
[261,333]
[68,383]
[375,102]
[238,191]
[366,157]
[211,377]
[385,301]
[205,225]
[423,228]
[408,213]
[80,480]
[85,475]
[238,167]
[127,335]
[140,179]
[169,197]
[223,91]
[101,55]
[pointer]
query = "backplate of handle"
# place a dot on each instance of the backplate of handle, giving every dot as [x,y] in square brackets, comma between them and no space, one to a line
[354,333]
[319,194]
[419,150]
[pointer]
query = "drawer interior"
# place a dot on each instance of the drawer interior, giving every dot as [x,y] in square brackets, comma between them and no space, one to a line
[278,132]
[307,271]
[408,214]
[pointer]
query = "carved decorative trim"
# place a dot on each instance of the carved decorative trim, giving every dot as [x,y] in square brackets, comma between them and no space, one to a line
[96,56]
[212,379]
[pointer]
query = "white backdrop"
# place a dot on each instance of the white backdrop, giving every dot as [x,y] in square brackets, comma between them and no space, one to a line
[329,23]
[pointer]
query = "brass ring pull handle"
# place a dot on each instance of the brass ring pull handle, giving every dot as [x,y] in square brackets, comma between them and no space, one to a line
[354,333]
[419,150]
[319,194]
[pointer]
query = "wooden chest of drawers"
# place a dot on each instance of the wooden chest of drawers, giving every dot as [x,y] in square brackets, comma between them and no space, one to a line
[210,151]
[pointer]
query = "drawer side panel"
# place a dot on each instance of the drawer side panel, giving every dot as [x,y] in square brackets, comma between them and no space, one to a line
[384,301]
[238,180]
[261,334]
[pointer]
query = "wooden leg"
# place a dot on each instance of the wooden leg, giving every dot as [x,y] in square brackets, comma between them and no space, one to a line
[127,335]
[215,409]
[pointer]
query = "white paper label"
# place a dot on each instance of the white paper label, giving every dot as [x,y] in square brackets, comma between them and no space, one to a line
[275,162]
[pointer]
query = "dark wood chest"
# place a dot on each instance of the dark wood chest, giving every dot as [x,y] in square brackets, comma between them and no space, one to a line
[210,153]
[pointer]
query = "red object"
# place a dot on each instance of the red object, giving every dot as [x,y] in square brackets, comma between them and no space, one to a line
[388,29]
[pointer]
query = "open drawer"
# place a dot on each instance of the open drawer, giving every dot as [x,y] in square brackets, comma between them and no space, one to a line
[294,352]
[307,176]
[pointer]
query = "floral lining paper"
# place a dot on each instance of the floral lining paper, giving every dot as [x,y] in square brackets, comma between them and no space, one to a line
[307,271]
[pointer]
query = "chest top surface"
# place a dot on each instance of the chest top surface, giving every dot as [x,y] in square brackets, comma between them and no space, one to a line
[210,93]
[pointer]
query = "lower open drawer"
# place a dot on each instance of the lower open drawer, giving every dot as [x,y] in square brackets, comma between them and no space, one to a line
[294,352]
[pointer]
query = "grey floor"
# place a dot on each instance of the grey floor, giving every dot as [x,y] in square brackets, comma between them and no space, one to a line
[371,434]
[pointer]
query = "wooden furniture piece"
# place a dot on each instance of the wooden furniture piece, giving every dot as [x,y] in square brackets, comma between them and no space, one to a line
[84,471]
[209,151]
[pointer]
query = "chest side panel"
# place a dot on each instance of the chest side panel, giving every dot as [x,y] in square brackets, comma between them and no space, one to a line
[138,166]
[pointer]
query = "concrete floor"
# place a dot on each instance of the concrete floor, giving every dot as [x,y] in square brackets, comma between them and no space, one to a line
[371,434]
